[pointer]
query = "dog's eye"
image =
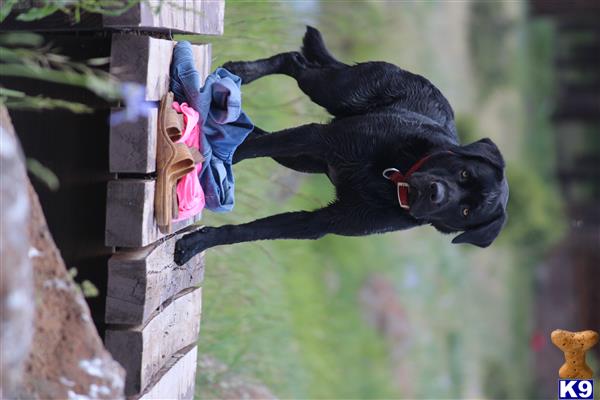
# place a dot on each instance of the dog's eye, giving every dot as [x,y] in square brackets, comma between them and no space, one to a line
[465,211]
[464,174]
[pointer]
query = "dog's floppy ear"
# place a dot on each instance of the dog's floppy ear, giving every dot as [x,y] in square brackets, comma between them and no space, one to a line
[483,235]
[485,149]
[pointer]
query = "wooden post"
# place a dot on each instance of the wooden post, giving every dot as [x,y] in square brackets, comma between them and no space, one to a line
[153,306]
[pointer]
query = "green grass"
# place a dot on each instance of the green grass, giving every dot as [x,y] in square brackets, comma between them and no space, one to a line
[287,313]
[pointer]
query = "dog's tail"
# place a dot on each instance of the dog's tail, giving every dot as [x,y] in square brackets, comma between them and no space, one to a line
[313,48]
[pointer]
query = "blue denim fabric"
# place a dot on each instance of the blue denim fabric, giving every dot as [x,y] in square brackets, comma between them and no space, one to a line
[224,124]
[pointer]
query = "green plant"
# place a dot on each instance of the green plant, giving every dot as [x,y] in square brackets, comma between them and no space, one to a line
[86,287]
[24,56]
[72,8]
[43,173]
[20,100]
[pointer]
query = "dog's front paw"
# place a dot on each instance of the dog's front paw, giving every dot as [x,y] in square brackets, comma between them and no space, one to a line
[188,246]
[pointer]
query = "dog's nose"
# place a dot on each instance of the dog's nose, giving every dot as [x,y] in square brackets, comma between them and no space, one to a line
[437,192]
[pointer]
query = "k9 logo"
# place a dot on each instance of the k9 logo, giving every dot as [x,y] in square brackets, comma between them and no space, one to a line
[570,389]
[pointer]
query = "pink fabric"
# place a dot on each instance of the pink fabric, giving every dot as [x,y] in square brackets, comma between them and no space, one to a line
[189,191]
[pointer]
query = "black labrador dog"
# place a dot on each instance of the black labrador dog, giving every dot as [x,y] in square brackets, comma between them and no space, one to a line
[391,151]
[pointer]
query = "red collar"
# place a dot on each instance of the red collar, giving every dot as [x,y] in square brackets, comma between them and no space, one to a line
[401,180]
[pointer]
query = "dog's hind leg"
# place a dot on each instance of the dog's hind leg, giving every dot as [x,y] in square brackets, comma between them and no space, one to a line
[283,63]
[340,88]
[304,163]
[314,55]
[300,141]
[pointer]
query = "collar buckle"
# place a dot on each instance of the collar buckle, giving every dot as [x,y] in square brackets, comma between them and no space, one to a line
[388,172]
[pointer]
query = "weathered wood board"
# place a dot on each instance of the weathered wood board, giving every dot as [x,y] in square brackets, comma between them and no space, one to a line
[130,218]
[176,380]
[133,144]
[140,280]
[193,16]
[184,16]
[146,60]
[144,350]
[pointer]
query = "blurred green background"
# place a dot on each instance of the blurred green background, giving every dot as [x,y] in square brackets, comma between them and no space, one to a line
[405,314]
[400,315]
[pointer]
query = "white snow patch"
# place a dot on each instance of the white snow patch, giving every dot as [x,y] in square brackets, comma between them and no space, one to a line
[33,252]
[95,390]
[56,283]
[98,368]
[81,301]
[77,396]
[66,381]
[116,381]
[92,367]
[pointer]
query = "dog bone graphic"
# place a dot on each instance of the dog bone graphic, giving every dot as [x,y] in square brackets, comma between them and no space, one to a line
[574,345]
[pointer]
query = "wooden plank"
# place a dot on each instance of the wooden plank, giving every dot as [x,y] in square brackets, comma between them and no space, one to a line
[143,60]
[133,144]
[130,218]
[210,17]
[176,380]
[144,350]
[147,16]
[141,280]
[189,13]
[179,16]
[172,15]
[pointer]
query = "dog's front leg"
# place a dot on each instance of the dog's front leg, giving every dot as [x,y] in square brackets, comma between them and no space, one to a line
[291,225]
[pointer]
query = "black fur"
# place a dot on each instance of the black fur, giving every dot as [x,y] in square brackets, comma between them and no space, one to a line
[383,117]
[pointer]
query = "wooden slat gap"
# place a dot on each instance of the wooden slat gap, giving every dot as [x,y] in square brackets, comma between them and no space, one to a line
[158,310]
[171,363]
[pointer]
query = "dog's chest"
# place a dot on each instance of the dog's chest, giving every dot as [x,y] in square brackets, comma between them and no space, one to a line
[359,183]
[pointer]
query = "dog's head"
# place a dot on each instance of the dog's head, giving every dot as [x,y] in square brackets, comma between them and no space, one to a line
[464,190]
